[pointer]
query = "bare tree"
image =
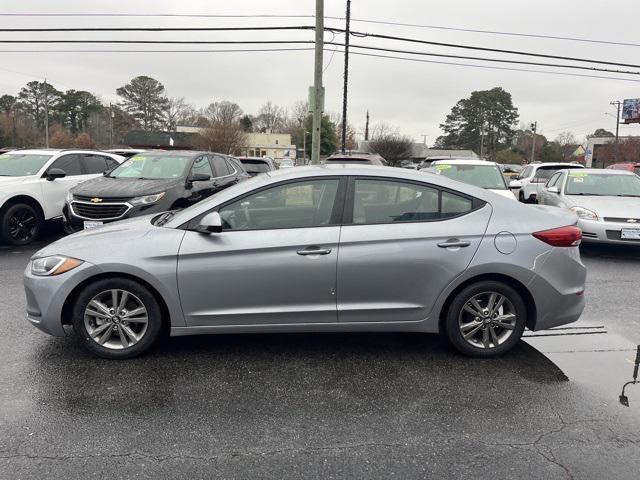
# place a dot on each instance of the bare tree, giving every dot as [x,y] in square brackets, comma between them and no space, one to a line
[225,133]
[224,112]
[270,118]
[566,138]
[387,142]
[175,111]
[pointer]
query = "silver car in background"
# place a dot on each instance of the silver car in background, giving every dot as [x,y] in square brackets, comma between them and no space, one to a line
[338,248]
[607,202]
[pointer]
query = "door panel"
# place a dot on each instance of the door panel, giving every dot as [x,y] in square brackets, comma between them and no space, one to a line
[55,191]
[258,277]
[396,271]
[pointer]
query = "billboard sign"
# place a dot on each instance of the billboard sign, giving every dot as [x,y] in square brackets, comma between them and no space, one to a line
[631,110]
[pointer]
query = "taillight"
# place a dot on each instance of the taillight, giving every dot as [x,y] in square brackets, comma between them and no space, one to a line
[569,236]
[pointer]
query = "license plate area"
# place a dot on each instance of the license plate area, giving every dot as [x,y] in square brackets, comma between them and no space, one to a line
[630,234]
[90,225]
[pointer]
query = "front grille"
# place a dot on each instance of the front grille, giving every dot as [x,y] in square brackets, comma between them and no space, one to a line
[85,198]
[622,220]
[99,211]
[589,235]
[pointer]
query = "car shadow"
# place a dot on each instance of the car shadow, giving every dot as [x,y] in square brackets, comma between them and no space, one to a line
[211,372]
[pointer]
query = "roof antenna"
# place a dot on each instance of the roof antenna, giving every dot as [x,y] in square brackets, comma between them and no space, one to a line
[623,398]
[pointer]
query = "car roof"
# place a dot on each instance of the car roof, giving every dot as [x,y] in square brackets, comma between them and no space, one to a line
[261,159]
[37,151]
[460,161]
[557,164]
[605,171]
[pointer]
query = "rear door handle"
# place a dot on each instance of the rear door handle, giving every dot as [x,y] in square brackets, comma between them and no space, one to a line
[454,242]
[314,251]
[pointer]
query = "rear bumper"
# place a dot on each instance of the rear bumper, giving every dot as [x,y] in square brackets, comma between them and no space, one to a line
[605,232]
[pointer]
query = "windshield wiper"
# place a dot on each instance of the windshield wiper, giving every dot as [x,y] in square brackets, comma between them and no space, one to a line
[623,195]
[164,218]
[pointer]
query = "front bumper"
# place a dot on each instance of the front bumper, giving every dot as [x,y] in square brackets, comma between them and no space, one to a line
[605,232]
[46,296]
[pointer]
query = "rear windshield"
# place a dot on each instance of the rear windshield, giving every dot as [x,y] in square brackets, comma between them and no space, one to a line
[350,161]
[483,176]
[545,173]
[153,167]
[256,166]
[21,164]
[600,184]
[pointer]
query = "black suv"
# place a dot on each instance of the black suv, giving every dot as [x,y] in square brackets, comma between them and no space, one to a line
[150,182]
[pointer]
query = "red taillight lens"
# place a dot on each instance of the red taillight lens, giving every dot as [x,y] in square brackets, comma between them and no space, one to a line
[569,236]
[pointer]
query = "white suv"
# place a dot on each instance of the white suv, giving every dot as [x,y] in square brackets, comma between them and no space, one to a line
[531,180]
[34,185]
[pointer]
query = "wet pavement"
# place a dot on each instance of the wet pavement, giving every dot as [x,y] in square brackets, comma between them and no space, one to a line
[327,406]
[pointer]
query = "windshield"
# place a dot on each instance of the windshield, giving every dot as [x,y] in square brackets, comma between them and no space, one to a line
[255,166]
[483,176]
[579,183]
[21,164]
[545,173]
[153,167]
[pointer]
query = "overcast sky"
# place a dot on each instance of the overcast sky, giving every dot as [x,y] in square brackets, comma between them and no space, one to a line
[414,96]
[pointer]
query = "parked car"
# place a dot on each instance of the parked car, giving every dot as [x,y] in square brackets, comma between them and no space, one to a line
[356,159]
[511,170]
[426,163]
[631,167]
[34,184]
[257,165]
[533,178]
[480,173]
[154,181]
[286,163]
[330,248]
[125,152]
[607,202]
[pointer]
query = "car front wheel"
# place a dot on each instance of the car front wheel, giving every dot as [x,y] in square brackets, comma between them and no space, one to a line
[117,318]
[20,224]
[486,319]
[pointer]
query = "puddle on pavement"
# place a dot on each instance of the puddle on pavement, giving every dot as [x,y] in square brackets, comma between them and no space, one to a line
[588,355]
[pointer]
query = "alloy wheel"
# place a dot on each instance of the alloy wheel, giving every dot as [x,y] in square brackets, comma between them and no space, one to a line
[487,320]
[22,225]
[116,319]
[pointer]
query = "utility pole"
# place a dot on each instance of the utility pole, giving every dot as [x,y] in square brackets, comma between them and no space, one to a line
[13,123]
[424,138]
[534,129]
[346,76]
[366,129]
[318,96]
[110,125]
[617,104]
[46,116]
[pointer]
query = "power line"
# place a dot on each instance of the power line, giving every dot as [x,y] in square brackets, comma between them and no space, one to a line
[487,49]
[360,20]
[275,28]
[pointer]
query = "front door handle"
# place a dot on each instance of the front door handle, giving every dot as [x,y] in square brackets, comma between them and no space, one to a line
[454,242]
[314,251]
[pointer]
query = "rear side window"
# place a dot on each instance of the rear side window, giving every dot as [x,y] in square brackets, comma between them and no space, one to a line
[94,164]
[387,201]
[220,166]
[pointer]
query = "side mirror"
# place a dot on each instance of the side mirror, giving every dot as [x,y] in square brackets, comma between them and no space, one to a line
[211,223]
[54,173]
[553,190]
[515,184]
[199,177]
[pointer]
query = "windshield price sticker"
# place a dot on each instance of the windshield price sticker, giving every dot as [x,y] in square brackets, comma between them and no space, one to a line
[578,174]
[577,180]
[442,167]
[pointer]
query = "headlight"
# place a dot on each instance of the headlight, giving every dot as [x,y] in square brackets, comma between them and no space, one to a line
[584,213]
[53,265]
[147,199]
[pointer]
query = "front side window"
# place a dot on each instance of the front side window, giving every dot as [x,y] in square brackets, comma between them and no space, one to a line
[153,167]
[293,205]
[387,201]
[202,165]
[70,164]
[21,164]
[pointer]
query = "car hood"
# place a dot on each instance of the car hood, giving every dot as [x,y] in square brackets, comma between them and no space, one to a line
[616,207]
[123,187]
[107,240]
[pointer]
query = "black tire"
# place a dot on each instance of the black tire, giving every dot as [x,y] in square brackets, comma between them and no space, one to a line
[21,224]
[137,291]
[456,313]
[521,197]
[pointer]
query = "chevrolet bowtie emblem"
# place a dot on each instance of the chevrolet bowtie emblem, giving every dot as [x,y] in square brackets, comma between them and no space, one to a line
[96,200]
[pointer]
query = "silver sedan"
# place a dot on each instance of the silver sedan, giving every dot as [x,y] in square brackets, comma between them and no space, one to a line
[607,202]
[316,249]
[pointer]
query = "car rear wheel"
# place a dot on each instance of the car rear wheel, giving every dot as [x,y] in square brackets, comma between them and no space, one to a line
[486,319]
[20,224]
[117,318]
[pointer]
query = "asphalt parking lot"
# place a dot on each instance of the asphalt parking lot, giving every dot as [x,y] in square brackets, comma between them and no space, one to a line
[327,406]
